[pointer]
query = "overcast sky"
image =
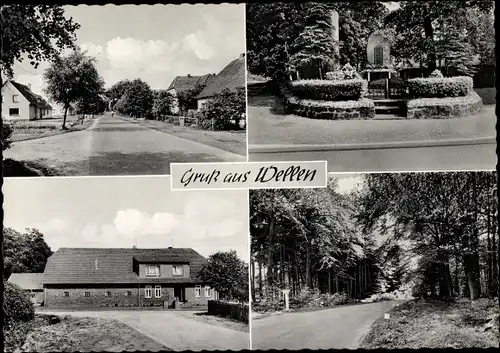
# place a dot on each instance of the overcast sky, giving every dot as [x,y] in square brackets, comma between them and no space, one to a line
[348,182]
[118,211]
[152,42]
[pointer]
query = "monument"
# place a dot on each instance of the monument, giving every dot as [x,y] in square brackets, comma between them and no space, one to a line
[378,52]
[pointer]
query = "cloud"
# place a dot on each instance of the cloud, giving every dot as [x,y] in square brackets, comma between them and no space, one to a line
[133,223]
[347,184]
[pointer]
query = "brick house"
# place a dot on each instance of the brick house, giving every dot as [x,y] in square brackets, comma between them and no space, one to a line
[125,277]
[20,103]
[184,83]
[31,283]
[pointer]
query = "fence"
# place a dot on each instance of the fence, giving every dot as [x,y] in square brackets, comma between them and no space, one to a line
[233,311]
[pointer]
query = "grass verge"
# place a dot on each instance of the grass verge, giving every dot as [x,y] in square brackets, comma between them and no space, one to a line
[435,324]
[30,130]
[230,141]
[219,321]
[13,168]
[72,334]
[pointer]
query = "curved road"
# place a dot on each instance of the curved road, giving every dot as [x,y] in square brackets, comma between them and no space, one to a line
[336,328]
[112,146]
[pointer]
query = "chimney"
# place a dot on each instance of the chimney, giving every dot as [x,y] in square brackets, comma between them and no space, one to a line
[29,86]
[189,75]
[170,247]
[242,55]
[134,247]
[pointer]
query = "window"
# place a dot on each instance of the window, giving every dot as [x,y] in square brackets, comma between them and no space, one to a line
[128,293]
[178,270]
[66,294]
[208,292]
[153,271]
[14,111]
[148,292]
[157,291]
[87,294]
[378,54]
[33,295]
[15,98]
[197,291]
[107,294]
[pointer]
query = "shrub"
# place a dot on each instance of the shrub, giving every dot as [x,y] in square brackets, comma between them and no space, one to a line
[17,306]
[346,73]
[335,75]
[226,110]
[6,135]
[330,90]
[436,74]
[436,87]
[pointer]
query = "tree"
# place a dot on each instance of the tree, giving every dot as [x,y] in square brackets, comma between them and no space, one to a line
[187,98]
[71,79]
[224,110]
[24,252]
[40,31]
[228,275]
[423,25]
[162,103]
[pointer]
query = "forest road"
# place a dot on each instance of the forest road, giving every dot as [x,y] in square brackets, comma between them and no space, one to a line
[337,328]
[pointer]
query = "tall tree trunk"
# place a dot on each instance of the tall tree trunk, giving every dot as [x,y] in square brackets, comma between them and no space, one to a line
[308,266]
[66,107]
[270,254]
[252,283]
[260,278]
[429,35]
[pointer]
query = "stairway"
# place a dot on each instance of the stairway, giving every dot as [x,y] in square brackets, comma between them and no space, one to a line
[389,108]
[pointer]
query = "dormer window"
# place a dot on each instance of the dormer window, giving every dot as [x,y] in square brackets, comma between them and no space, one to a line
[178,270]
[153,271]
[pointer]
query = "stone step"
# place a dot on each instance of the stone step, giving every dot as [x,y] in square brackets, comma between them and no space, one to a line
[388,102]
[380,109]
[388,117]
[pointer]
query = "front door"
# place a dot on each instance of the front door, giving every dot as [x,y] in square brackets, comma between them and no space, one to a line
[180,293]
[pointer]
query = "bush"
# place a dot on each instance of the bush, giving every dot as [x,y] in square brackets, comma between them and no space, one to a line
[233,311]
[17,306]
[314,299]
[436,87]
[6,135]
[226,110]
[436,74]
[346,73]
[330,90]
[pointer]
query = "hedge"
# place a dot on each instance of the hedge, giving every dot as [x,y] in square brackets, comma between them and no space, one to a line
[439,87]
[341,90]
[233,311]
[17,306]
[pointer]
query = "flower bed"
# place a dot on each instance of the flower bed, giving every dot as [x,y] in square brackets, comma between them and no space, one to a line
[439,108]
[331,110]
[331,90]
[439,87]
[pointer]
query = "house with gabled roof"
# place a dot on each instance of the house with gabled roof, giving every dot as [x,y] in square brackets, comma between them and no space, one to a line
[87,277]
[20,103]
[185,83]
[31,283]
[232,77]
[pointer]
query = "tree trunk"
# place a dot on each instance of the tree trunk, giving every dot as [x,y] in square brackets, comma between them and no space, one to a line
[260,278]
[308,266]
[429,34]
[66,107]
[270,262]
[329,281]
[252,283]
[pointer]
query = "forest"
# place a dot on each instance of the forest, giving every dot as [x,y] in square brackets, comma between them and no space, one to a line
[431,235]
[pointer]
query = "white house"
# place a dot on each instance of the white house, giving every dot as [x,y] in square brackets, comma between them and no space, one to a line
[231,77]
[20,103]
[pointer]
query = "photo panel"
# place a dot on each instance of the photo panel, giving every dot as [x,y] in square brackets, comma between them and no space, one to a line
[126,264]
[371,88]
[163,83]
[377,261]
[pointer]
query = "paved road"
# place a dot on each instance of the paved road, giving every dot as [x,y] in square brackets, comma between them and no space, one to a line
[336,328]
[116,147]
[173,330]
[468,157]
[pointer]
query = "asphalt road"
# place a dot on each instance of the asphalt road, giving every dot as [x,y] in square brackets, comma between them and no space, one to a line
[173,330]
[337,328]
[112,146]
[443,158]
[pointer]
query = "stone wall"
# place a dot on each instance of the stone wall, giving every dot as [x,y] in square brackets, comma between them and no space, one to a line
[331,110]
[442,108]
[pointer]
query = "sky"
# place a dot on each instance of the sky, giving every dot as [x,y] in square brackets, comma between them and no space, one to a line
[348,182]
[152,42]
[126,211]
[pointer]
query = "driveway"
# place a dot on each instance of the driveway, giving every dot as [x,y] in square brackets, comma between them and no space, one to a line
[112,146]
[172,329]
[336,328]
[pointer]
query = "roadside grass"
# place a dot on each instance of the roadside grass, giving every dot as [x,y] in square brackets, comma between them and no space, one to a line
[230,141]
[33,129]
[72,334]
[435,324]
[13,168]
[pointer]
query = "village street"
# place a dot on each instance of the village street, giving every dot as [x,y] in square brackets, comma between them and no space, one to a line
[114,146]
[173,330]
[337,328]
